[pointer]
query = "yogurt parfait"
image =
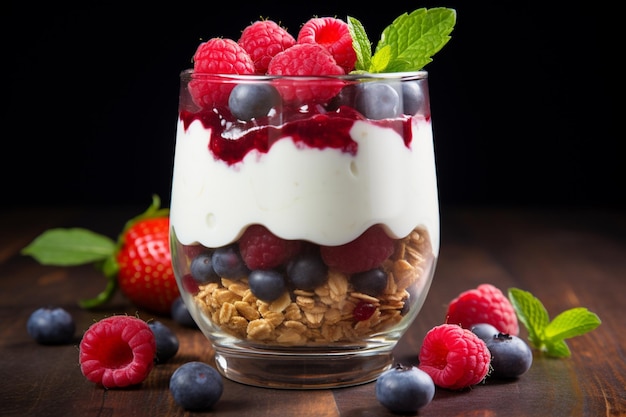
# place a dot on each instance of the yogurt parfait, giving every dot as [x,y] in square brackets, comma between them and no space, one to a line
[304,212]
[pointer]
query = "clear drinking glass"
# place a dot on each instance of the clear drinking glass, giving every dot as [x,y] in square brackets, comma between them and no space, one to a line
[304,221]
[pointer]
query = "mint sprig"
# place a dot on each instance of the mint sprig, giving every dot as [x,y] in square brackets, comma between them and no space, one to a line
[549,336]
[408,44]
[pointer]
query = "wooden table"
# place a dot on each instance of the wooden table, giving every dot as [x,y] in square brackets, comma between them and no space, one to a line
[567,258]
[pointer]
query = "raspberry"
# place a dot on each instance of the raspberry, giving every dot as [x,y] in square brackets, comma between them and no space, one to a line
[454,357]
[261,249]
[262,40]
[217,56]
[366,252]
[484,304]
[117,351]
[306,59]
[334,35]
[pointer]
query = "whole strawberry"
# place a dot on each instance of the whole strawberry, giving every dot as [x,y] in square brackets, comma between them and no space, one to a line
[139,263]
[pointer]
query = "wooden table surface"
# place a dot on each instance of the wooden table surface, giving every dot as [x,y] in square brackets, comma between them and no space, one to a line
[566,258]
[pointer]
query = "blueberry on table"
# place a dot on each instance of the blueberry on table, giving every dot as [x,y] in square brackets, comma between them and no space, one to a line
[196,386]
[51,326]
[167,343]
[181,315]
[404,389]
[485,331]
[510,356]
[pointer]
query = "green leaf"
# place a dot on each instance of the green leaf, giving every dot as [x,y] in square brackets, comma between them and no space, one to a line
[360,43]
[380,61]
[69,247]
[556,349]
[414,38]
[571,323]
[531,312]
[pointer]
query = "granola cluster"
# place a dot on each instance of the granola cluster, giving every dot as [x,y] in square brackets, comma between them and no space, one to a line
[325,314]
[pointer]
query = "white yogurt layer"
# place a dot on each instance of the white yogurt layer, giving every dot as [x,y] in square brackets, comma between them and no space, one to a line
[325,196]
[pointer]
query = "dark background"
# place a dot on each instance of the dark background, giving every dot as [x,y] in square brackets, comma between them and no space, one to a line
[523,97]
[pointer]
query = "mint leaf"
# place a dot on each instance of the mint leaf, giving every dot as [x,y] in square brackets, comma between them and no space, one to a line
[531,312]
[549,336]
[360,43]
[380,61]
[414,38]
[570,323]
[69,247]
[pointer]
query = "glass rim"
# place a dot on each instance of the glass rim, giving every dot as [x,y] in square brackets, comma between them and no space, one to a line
[190,74]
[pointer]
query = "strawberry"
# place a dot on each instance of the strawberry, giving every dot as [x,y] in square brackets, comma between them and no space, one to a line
[139,263]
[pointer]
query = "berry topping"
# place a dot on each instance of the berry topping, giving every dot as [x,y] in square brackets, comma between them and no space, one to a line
[366,252]
[217,56]
[51,326]
[167,343]
[251,101]
[266,285]
[510,356]
[196,386]
[222,56]
[306,59]
[262,40]
[404,389]
[117,351]
[261,249]
[454,357]
[334,35]
[484,304]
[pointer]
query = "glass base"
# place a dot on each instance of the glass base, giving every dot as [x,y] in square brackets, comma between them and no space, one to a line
[305,370]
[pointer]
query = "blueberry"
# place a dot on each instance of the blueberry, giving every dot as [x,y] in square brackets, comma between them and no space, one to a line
[51,326]
[180,314]
[413,98]
[510,356]
[266,285]
[166,341]
[404,389]
[250,101]
[228,263]
[378,100]
[307,271]
[372,282]
[484,331]
[196,386]
[201,269]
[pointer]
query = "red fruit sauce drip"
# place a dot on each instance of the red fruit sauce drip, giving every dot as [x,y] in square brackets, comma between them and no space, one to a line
[313,129]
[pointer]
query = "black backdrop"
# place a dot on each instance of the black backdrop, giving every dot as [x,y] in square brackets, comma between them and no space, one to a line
[523,97]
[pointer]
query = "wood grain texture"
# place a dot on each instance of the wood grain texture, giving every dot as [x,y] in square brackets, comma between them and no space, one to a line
[566,258]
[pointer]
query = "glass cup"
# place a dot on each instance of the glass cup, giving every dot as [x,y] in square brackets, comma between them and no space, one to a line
[304,221]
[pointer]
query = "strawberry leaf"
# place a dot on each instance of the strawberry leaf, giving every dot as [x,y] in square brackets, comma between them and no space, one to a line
[69,247]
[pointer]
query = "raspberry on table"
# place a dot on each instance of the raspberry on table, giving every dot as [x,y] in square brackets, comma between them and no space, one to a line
[334,35]
[306,59]
[454,357]
[217,56]
[483,304]
[366,252]
[261,249]
[117,351]
[262,40]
